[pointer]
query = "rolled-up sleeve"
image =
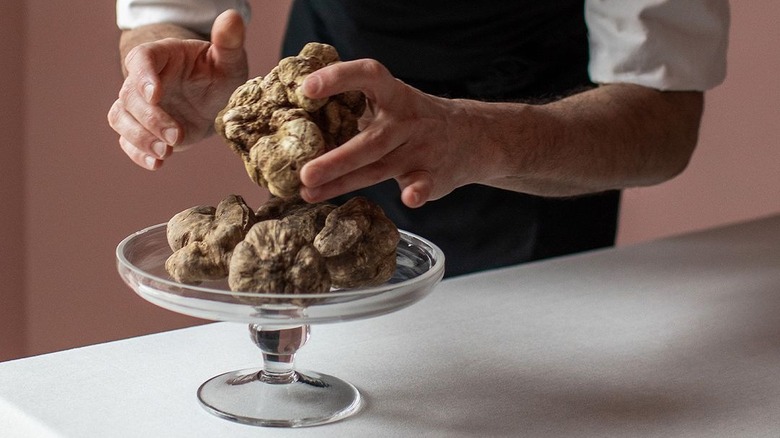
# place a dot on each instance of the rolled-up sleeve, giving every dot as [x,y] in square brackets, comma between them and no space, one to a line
[196,15]
[663,44]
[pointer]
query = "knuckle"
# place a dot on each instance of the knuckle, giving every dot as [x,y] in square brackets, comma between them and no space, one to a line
[148,117]
[113,114]
[378,136]
[377,169]
[373,68]
[139,138]
[135,53]
[126,90]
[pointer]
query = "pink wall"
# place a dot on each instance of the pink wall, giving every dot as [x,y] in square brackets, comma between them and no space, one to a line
[81,194]
[735,172]
[70,195]
[12,339]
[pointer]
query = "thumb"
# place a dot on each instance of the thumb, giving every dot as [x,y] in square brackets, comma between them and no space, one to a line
[416,188]
[227,38]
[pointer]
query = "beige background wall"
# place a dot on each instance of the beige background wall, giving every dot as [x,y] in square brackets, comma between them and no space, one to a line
[69,195]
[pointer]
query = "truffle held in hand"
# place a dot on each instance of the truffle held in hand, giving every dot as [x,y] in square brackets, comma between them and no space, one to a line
[276,129]
[202,239]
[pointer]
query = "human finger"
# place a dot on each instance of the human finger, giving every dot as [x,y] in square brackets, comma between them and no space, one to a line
[138,156]
[416,188]
[128,127]
[366,75]
[151,116]
[417,185]
[363,177]
[142,91]
[389,166]
[368,146]
[143,65]
[227,37]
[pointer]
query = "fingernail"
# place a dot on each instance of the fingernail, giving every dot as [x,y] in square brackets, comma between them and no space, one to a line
[148,92]
[312,175]
[170,135]
[160,149]
[150,162]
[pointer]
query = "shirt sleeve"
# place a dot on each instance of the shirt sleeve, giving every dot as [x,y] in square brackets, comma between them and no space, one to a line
[196,15]
[662,44]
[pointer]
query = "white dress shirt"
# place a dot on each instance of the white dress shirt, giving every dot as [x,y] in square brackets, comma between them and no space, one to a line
[661,44]
[196,15]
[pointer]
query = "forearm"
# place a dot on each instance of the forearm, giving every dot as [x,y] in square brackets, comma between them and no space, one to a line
[612,137]
[149,33]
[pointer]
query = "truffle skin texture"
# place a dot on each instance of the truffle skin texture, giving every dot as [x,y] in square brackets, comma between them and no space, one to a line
[277,208]
[359,244]
[274,258]
[202,239]
[276,159]
[307,218]
[276,129]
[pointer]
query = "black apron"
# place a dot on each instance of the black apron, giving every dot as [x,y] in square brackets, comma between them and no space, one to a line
[511,50]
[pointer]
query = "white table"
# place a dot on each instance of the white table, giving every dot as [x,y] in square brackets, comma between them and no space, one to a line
[678,337]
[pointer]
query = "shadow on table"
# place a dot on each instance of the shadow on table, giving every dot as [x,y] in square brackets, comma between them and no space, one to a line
[504,404]
[719,371]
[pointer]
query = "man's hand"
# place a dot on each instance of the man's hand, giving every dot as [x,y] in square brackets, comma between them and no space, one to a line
[610,137]
[175,87]
[405,135]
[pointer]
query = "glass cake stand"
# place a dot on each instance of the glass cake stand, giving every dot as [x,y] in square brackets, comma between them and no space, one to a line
[277,394]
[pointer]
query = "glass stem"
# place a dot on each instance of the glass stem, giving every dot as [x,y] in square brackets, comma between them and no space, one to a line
[279,346]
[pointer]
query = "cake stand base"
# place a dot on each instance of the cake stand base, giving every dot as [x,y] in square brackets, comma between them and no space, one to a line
[310,399]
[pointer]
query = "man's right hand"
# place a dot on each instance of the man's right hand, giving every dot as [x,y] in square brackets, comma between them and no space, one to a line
[175,87]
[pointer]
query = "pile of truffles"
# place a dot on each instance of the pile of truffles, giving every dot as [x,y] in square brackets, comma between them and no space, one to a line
[276,129]
[286,246]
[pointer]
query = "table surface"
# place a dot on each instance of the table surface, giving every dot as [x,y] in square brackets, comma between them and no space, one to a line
[676,337]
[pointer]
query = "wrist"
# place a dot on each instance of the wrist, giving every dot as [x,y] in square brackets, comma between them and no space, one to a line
[504,140]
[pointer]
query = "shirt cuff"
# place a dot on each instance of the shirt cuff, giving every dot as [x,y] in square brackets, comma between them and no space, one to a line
[196,15]
[662,44]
